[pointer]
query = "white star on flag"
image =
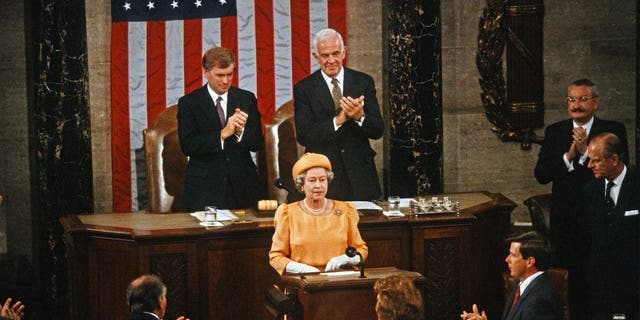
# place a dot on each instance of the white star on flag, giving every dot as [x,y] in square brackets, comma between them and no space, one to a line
[127,6]
[151,5]
[223,1]
[174,4]
[198,3]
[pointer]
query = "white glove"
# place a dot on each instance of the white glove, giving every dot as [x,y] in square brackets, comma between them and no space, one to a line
[336,262]
[297,267]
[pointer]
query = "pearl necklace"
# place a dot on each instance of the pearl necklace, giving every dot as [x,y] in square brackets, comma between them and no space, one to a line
[315,212]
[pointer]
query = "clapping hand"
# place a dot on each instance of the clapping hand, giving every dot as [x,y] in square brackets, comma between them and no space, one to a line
[15,311]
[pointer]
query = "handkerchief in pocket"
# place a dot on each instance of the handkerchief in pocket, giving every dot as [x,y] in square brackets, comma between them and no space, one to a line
[631,213]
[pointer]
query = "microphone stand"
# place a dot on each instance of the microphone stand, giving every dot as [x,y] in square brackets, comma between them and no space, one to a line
[352,252]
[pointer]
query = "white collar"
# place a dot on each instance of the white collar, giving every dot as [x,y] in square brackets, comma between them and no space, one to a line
[586,126]
[214,95]
[339,77]
[618,180]
[524,284]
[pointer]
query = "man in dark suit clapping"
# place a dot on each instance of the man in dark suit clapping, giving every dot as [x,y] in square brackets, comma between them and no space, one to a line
[612,201]
[336,113]
[218,127]
[563,160]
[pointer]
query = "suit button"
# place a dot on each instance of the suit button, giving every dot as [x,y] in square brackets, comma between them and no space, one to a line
[228,160]
[342,150]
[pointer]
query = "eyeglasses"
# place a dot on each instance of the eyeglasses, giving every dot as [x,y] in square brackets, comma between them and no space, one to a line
[583,99]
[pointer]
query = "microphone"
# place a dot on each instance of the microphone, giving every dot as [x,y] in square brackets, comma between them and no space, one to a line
[352,252]
[279,183]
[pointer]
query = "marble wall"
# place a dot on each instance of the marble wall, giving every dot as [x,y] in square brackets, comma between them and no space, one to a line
[596,40]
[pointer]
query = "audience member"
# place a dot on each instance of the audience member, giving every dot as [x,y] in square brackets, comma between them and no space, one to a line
[218,127]
[535,296]
[563,160]
[612,201]
[147,298]
[12,311]
[312,234]
[336,113]
[398,299]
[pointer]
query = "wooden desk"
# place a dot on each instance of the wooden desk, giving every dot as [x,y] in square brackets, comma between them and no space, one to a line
[346,296]
[222,273]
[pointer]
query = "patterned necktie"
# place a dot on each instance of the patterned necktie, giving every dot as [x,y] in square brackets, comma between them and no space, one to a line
[608,201]
[337,94]
[516,296]
[223,121]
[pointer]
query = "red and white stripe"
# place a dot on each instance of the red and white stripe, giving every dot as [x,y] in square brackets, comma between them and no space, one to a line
[155,63]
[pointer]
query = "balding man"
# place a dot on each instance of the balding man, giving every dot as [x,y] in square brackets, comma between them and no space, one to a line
[612,202]
[147,298]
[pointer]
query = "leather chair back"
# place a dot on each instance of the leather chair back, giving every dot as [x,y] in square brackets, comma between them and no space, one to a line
[539,212]
[560,278]
[281,151]
[166,163]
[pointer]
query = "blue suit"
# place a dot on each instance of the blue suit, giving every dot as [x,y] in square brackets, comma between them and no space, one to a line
[540,301]
[613,258]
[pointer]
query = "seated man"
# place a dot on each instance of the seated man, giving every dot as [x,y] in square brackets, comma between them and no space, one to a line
[398,298]
[147,298]
[535,296]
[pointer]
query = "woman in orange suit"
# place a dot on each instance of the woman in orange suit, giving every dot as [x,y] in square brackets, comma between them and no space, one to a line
[312,234]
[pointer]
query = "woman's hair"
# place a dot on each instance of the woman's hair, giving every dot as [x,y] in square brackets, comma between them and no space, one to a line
[398,299]
[299,180]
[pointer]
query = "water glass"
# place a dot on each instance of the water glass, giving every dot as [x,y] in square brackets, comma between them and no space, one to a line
[210,214]
[394,203]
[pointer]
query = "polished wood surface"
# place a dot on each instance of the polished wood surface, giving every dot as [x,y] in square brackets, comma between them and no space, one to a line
[341,295]
[222,272]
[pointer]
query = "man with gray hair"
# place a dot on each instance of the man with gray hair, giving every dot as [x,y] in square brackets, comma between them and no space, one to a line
[147,298]
[336,113]
[563,161]
[612,201]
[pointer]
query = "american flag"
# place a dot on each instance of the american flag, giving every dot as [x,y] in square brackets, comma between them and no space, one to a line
[156,54]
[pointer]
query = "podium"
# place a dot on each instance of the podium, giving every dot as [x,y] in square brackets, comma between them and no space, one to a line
[340,295]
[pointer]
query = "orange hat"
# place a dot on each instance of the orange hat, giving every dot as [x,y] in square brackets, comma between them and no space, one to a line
[310,160]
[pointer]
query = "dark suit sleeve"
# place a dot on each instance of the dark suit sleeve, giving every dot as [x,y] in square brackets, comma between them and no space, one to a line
[252,139]
[314,123]
[373,126]
[198,134]
[312,128]
[550,165]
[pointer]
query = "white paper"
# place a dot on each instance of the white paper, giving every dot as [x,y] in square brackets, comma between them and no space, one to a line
[223,215]
[405,202]
[366,205]
[393,213]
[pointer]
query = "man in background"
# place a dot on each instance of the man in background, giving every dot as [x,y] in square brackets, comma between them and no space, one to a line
[336,113]
[218,127]
[535,296]
[147,298]
[563,161]
[612,201]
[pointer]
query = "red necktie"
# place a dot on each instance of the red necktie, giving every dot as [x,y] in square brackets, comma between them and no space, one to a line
[516,297]
[223,121]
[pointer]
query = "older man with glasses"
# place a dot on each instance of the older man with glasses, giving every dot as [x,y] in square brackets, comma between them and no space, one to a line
[563,160]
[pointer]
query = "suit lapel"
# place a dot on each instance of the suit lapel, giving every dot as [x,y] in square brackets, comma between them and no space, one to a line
[207,106]
[324,95]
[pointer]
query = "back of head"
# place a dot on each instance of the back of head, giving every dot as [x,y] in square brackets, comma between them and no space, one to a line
[398,299]
[144,293]
[534,244]
[610,144]
[217,57]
